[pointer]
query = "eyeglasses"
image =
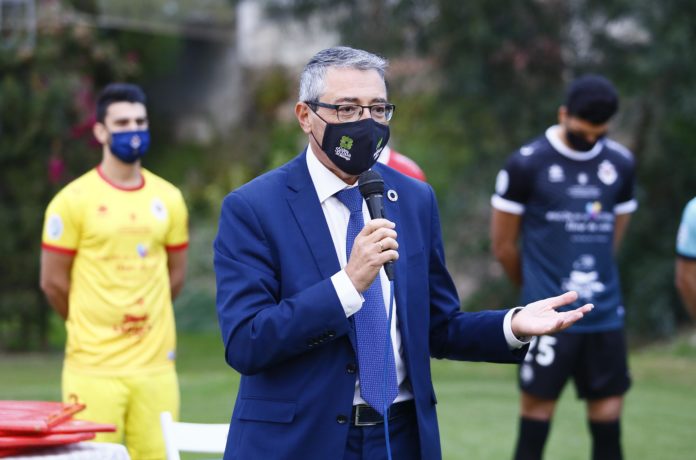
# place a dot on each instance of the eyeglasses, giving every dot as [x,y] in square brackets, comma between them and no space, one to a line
[381,113]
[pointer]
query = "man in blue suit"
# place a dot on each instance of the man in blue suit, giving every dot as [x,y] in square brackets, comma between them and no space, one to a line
[298,275]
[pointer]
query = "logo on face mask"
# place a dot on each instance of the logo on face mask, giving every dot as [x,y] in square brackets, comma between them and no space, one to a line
[346,142]
[135,142]
[379,150]
[130,146]
[345,145]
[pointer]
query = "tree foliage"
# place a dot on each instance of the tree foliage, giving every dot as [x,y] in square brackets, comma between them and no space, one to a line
[46,105]
[471,80]
[502,67]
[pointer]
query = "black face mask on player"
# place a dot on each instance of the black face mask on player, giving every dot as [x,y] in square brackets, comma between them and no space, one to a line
[578,141]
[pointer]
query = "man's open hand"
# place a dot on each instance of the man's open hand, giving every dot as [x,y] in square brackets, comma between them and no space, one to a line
[541,317]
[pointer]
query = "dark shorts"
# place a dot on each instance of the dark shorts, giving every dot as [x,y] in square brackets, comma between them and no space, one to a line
[596,361]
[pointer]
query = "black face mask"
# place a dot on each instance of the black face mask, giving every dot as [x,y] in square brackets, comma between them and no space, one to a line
[354,146]
[579,143]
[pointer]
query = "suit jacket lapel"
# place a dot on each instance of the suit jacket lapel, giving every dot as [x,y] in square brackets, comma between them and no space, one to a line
[392,211]
[304,202]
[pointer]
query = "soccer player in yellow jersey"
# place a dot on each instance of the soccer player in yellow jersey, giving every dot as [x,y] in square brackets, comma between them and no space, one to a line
[114,256]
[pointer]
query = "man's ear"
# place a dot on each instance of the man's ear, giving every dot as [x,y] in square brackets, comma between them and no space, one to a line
[100,133]
[302,114]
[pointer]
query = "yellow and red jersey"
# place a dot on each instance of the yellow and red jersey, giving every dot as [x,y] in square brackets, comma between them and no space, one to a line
[120,316]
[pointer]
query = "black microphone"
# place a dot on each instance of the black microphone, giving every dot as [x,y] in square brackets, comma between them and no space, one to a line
[371,187]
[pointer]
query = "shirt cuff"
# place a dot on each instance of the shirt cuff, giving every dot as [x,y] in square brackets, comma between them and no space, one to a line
[351,300]
[513,342]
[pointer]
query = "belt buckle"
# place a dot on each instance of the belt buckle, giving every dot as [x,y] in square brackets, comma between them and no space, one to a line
[357,421]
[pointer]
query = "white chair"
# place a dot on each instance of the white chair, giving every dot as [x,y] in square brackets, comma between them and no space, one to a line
[202,438]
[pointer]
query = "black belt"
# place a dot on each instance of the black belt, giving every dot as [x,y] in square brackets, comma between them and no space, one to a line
[365,415]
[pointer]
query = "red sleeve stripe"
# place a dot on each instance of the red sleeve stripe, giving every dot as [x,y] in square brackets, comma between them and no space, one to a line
[52,248]
[177,247]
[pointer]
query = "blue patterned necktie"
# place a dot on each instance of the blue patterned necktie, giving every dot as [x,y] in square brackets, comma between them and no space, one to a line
[370,323]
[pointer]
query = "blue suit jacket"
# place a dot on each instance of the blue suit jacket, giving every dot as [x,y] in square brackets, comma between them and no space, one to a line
[285,331]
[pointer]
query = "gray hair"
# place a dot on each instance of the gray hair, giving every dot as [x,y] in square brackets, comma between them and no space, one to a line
[312,77]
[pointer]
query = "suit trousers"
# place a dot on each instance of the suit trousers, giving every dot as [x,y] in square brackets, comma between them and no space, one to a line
[368,443]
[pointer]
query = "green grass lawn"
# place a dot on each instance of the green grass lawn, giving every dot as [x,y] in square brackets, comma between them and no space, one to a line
[477,402]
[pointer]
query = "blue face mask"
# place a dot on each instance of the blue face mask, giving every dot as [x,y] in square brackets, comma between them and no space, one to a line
[130,146]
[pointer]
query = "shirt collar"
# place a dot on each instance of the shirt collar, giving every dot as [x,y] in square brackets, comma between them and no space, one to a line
[384,155]
[326,183]
[553,135]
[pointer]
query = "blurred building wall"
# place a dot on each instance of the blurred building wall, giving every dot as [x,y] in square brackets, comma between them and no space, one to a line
[224,46]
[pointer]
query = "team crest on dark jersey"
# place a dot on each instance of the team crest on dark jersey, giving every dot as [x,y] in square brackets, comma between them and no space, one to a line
[607,172]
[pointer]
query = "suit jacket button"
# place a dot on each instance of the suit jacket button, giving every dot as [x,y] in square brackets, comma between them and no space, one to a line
[331,334]
[350,368]
[341,419]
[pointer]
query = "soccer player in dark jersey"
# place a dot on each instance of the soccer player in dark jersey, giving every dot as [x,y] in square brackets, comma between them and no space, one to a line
[567,197]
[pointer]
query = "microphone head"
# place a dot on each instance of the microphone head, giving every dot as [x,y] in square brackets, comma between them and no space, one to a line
[370,183]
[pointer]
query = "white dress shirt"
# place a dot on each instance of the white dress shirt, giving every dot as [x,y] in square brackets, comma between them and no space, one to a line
[327,184]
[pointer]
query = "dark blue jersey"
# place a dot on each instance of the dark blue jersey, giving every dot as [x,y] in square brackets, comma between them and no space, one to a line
[569,201]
